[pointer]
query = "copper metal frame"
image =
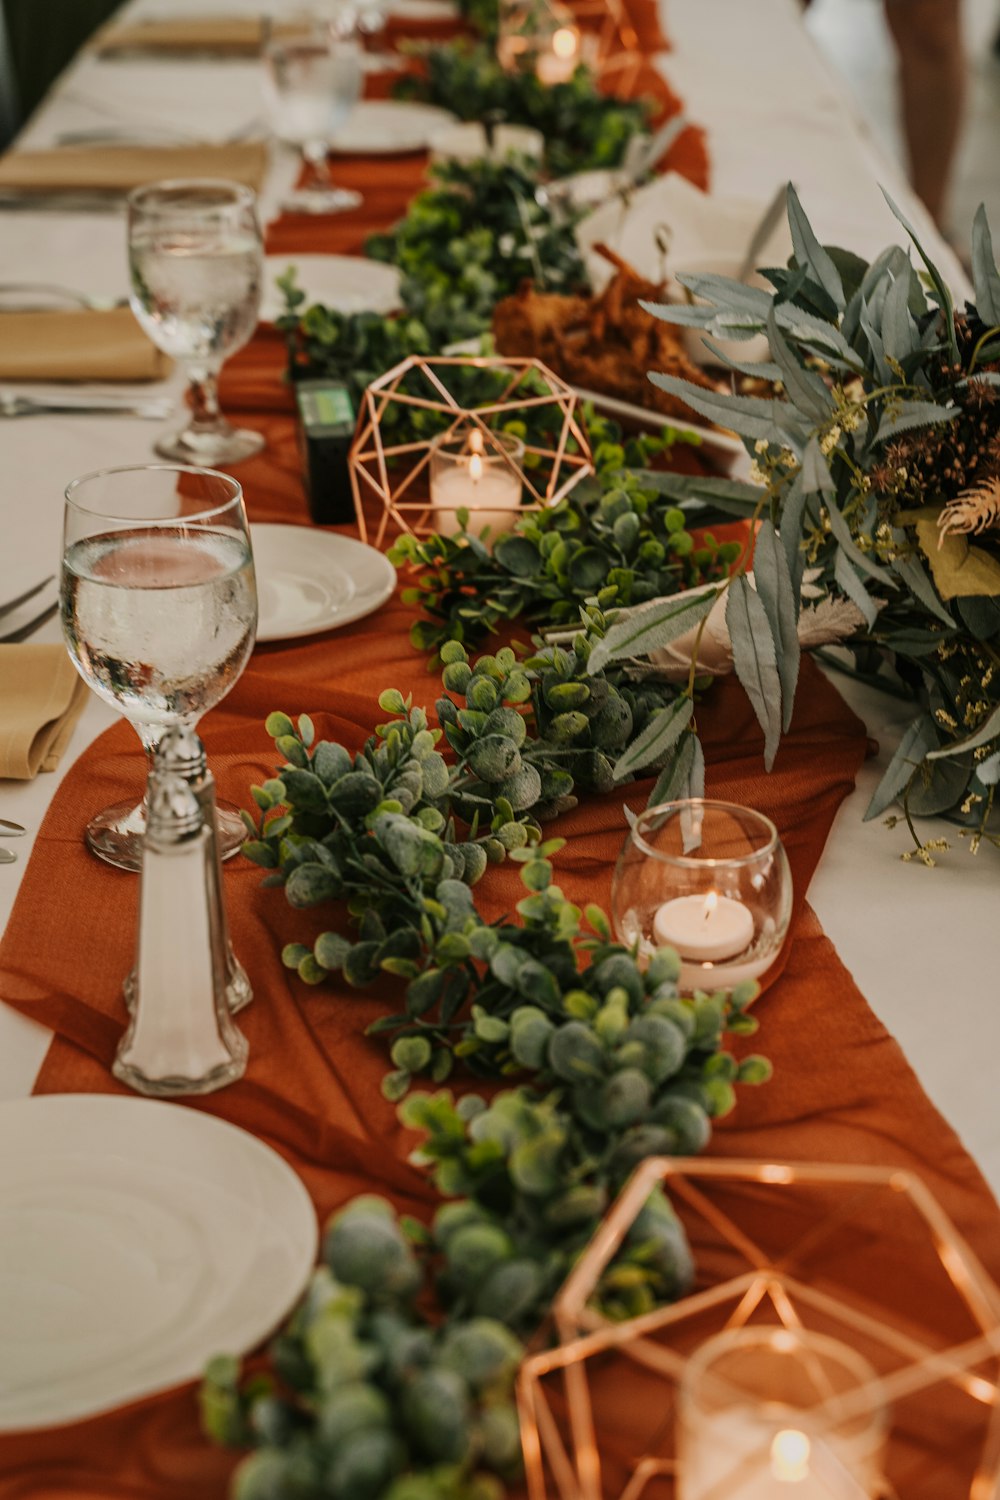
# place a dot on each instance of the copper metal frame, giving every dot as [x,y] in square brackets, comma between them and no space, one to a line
[567,1463]
[387,472]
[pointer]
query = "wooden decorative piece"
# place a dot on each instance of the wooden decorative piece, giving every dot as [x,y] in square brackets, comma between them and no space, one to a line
[864,1255]
[390,481]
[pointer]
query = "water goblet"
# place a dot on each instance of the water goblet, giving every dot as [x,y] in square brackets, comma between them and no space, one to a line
[158,601]
[196,260]
[312,81]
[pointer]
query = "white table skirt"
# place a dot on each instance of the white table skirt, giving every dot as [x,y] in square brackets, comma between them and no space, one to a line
[922,944]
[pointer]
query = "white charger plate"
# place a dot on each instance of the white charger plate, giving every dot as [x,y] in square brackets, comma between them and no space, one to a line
[386,127]
[309,581]
[138,1238]
[345,283]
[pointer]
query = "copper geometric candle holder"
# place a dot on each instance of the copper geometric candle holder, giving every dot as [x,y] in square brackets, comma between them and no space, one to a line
[861,1254]
[390,480]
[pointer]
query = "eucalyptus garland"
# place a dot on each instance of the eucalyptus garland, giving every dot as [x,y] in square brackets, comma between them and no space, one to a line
[582,128]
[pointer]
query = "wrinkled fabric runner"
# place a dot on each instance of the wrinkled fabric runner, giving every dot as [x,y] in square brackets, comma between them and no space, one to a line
[842,1089]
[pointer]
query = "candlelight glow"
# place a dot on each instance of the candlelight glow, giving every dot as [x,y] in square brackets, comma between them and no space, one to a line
[711,902]
[565,41]
[475,441]
[475,468]
[790,1456]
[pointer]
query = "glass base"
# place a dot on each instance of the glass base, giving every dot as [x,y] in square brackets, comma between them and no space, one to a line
[176,1087]
[321,201]
[115,835]
[227,445]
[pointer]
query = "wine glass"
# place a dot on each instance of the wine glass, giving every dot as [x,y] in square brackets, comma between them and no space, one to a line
[196,261]
[312,81]
[158,600]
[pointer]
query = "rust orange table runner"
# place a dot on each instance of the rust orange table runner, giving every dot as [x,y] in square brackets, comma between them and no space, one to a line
[842,1090]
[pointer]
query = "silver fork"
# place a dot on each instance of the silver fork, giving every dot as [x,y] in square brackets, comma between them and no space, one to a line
[152,409]
[12,604]
[24,631]
[42,294]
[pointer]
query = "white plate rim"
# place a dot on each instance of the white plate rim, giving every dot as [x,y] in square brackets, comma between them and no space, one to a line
[356,608]
[276,265]
[260,1314]
[436,117]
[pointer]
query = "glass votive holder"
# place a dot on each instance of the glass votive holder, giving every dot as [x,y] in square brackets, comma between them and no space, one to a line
[769,1411]
[478,469]
[710,879]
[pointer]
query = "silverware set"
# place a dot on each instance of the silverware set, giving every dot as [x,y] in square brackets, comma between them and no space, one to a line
[152,408]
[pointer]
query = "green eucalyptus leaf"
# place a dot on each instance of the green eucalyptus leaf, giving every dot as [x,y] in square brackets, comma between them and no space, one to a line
[755,660]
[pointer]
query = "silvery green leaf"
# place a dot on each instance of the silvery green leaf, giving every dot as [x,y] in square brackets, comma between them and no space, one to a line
[860,559]
[781,605]
[988,771]
[725,292]
[889,263]
[809,252]
[750,416]
[807,328]
[875,345]
[913,573]
[805,389]
[815,472]
[760,370]
[982,377]
[920,737]
[754,660]
[984,270]
[986,732]
[899,332]
[732,495]
[942,294]
[660,734]
[679,773]
[680,313]
[851,585]
[940,790]
[792,512]
[914,414]
[653,625]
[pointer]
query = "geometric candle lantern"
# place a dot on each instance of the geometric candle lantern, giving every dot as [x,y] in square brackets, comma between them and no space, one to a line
[391,480]
[860,1259]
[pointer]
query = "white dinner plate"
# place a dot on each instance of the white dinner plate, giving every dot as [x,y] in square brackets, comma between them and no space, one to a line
[309,581]
[422,10]
[138,1238]
[384,127]
[345,283]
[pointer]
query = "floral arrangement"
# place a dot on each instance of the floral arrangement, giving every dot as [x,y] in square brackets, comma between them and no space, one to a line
[878,460]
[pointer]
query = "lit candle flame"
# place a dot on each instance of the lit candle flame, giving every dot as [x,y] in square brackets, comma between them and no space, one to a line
[790,1455]
[475,468]
[711,902]
[475,441]
[565,41]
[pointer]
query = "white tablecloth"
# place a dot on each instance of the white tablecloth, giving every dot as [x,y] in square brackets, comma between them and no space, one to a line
[923,945]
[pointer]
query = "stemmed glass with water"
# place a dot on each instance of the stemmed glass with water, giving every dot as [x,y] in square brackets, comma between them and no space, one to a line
[312,81]
[196,259]
[159,610]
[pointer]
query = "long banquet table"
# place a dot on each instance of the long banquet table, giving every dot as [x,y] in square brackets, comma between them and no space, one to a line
[920,944]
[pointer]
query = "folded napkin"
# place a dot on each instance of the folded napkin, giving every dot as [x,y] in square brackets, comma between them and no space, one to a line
[76,344]
[237,36]
[117,169]
[41,698]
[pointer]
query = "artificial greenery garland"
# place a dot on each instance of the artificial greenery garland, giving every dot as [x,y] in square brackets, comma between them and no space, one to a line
[581,127]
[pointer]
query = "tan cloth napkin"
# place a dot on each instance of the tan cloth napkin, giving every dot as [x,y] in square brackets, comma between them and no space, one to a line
[41,698]
[117,169]
[75,344]
[238,36]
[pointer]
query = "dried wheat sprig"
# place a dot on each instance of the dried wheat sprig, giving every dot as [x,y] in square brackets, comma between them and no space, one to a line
[974,510]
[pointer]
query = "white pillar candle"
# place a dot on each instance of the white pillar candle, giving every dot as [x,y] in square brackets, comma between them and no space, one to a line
[737,1454]
[486,486]
[704,929]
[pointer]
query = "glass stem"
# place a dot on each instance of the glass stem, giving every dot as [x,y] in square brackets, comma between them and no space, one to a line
[314,154]
[203,393]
